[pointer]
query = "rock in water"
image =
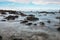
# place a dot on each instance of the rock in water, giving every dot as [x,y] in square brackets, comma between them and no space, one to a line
[3,13]
[22,14]
[11,17]
[29,24]
[31,15]
[0,37]
[3,20]
[30,18]
[18,39]
[42,23]
[49,21]
[24,21]
[58,29]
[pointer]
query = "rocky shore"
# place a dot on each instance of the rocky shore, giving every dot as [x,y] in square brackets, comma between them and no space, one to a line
[18,25]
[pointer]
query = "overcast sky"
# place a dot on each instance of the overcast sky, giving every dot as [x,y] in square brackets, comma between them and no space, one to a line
[30,4]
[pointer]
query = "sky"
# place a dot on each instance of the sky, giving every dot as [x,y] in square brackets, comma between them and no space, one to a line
[29,4]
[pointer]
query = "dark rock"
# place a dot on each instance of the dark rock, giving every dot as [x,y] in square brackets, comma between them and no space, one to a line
[0,37]
[11,17]
[24,21]
[42,23]
[43,12]
[58,29]
[35,24]
[49,21]
[18,39]
[29,24]
[3,13]
[30,18]
[22,14]
[16,16]
[3,20]
[57,17]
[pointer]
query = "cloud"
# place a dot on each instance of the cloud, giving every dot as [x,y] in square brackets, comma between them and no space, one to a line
[46,1]
[35,1]
[18,1]
[22,1]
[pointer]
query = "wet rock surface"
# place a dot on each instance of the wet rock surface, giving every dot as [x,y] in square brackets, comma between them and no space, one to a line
[0,37]
[42,23]
[22,14]
[24,21]
[11,17]
[30,18]
[58,29]
[29,24]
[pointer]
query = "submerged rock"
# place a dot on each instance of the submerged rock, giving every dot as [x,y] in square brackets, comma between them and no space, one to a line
[13,12]
[29,24]
[35,24]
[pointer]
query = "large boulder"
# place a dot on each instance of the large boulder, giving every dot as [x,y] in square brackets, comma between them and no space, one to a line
[58,29]
[31,18]
[11,17]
